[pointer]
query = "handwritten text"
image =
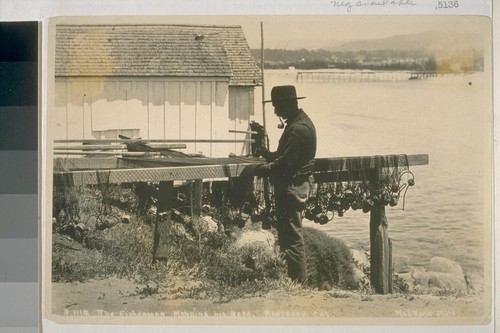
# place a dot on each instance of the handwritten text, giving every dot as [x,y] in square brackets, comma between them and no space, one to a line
[349,5]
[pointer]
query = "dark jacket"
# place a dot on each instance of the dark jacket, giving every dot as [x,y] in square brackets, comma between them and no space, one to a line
[296,150]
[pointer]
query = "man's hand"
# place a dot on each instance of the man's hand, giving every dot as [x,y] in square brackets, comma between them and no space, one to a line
[262,151]
[259,170]
[248,171]
[262,170]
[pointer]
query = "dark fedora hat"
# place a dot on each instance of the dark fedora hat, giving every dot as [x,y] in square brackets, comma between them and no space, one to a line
[281,93]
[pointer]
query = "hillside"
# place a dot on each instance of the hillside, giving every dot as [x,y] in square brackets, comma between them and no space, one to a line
[402,52]
[429,41]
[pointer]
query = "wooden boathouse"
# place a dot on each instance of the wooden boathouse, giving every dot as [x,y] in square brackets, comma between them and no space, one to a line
[176,82]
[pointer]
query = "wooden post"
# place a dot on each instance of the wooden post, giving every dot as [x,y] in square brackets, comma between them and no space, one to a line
[380,246]
[196,198]
[380,251]
[163,221]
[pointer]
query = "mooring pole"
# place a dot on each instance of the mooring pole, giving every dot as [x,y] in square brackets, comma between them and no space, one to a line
[380,245]
[262,73]
[163,221]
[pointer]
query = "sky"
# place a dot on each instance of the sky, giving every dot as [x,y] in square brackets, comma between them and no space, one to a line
[314,31]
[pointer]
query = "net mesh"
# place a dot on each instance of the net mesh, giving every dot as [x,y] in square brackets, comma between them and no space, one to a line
[359,184]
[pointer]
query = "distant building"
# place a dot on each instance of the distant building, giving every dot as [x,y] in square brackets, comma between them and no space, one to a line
[154,82]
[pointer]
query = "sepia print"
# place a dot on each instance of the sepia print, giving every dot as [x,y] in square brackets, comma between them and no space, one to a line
[161,208]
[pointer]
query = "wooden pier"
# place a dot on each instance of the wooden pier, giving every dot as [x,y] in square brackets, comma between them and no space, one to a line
[116,170]
[351,76]
[362,76]
[422,75]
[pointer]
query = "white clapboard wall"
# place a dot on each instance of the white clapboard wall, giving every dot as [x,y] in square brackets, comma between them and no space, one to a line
[154,108]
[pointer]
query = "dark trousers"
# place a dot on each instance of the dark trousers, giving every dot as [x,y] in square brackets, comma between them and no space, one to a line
[290,238]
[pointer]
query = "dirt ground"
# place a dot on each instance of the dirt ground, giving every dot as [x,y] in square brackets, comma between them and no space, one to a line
[118,301]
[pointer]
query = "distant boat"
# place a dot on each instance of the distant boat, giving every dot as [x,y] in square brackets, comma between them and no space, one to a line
[291,68]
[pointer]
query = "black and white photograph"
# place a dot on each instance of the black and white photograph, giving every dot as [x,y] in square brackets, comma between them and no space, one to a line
[269,169]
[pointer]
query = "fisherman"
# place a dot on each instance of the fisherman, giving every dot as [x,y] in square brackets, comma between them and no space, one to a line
[290,171]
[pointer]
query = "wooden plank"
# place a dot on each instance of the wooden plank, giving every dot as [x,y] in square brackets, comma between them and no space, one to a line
[204,116]
[75,119]
[242,132]
[59,116]
[155,140]
[240,102]
[91,163]
[124,117]
[110,153]
[188,113]
[166,145]
[91,147]
[366,162]
[107,108]
[118,147]
[220,111]
[85,173]
[172,125]
[138,102]
[114,163]
[93,94]
[117,176]
[156,110]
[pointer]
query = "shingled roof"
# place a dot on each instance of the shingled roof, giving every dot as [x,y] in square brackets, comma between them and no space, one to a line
[155,51]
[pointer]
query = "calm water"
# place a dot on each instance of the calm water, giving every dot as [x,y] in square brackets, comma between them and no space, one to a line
[446,212]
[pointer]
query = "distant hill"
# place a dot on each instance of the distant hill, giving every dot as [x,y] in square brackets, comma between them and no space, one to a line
[428,41]
[429,51]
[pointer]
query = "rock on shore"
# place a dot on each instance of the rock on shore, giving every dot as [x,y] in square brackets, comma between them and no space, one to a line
[441,274]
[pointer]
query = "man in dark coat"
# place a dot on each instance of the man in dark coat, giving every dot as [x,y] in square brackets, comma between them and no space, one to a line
[290,172]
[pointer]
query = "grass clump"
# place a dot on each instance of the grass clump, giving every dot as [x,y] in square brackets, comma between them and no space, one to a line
[71,266]
[237,265]
[329,261]
[123,251]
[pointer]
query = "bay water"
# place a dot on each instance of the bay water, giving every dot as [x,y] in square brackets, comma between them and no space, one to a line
[448,211]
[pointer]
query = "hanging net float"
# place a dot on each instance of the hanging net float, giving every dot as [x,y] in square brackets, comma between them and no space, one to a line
[359,189]
[354,189]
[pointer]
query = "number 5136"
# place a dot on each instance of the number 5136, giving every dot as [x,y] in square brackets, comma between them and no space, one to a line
[447,4]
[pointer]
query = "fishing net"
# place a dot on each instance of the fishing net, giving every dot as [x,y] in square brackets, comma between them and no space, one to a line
[68,197]
[259,137]
[238,201]
[342,184]
[359,184]
[65,207]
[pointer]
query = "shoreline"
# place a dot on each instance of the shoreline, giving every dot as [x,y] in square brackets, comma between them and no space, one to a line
[116,299]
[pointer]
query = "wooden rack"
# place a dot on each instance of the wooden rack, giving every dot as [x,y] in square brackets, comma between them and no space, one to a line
[85,171]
